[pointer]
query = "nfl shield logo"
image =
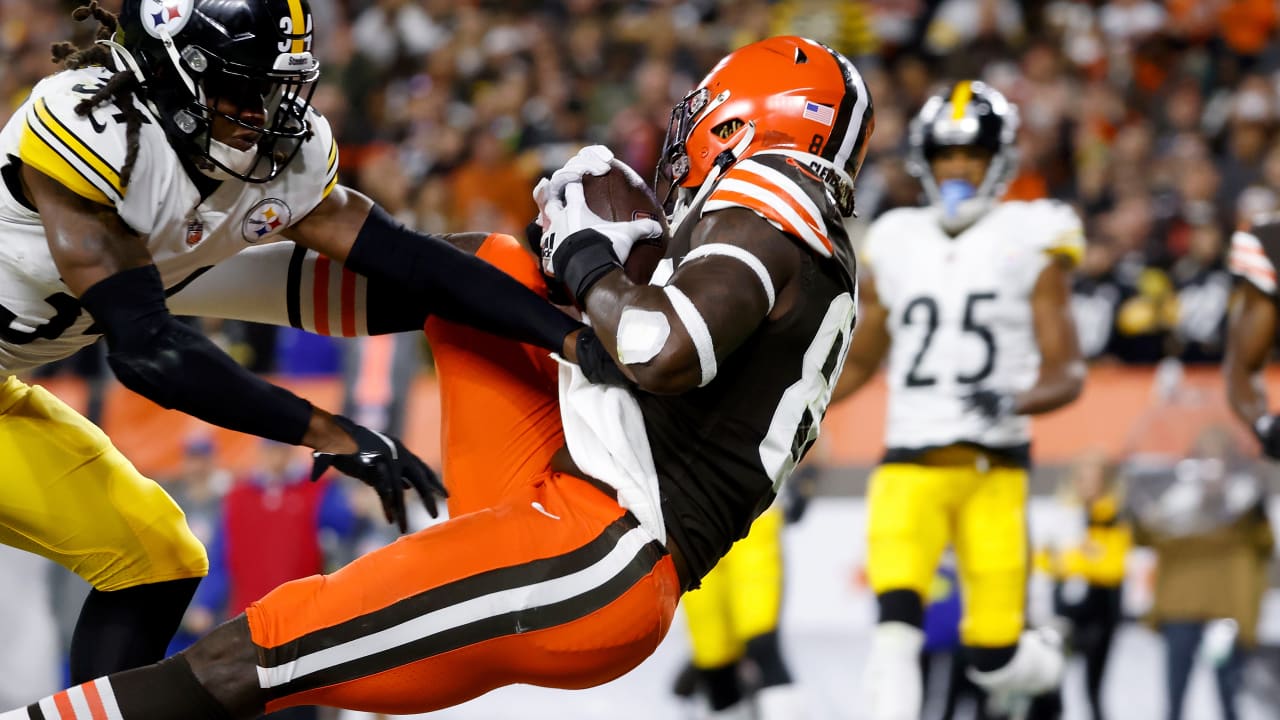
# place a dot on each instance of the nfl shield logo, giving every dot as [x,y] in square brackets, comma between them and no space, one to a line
[195,232]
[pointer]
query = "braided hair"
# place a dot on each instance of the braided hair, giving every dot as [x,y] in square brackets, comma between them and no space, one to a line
[121,86]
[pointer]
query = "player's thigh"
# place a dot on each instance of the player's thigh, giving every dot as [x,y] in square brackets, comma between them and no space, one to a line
[755,566]
[501,417]
[908,525]
[992,554]
[556,586]
[70,496]
[712,640]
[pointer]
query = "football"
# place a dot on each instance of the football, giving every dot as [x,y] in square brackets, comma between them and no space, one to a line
[617,197]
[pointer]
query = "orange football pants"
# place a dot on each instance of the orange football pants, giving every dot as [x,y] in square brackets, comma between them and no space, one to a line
[539,577]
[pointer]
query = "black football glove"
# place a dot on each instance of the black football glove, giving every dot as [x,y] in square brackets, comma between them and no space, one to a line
[384,464]
[991,404]
[1267,430]
[596,363]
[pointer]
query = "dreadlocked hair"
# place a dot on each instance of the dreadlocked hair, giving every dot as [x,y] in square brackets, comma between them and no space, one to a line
[120,87]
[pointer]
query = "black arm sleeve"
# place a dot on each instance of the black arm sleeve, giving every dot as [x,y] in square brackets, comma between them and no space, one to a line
[176,367]
[456,286]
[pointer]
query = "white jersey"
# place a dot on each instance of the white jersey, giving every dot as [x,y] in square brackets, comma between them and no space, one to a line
[40,320]
[960,316]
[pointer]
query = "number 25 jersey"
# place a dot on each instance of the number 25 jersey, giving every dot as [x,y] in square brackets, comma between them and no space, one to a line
[40,321]
[959,316]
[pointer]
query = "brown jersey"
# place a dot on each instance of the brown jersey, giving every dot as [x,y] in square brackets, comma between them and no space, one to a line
[722,450]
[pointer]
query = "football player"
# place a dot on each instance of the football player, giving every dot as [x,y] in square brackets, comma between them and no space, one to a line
[968,299]
[733,620]
[182,136]
[1251,328]
[580,511]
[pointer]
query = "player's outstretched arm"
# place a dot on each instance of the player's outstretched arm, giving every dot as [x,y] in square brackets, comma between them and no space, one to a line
[108,266]
[1062,366]
[453,284]
[1251,329]
[870,341]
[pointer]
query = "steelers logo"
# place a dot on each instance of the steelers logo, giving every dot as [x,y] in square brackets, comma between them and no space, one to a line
[168,15]
[266,219]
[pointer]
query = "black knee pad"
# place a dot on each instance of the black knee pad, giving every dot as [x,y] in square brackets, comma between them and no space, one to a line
[904,606]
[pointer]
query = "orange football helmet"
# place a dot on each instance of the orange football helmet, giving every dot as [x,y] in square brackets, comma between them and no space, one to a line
[783,93]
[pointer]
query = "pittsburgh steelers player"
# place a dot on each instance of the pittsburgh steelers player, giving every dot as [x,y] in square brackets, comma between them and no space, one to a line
[968,300]
[181,137]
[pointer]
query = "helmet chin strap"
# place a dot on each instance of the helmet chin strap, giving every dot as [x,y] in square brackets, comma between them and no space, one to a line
[124,58]
[171,49]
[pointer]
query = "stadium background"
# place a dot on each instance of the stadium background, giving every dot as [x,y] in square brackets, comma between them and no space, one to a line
[1156,120]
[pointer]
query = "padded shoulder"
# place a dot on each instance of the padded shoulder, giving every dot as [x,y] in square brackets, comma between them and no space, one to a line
[1254,253]
[84,152]
[1055,228]
[782,191]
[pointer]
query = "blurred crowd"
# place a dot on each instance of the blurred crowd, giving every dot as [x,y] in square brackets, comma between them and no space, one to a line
[1156,120]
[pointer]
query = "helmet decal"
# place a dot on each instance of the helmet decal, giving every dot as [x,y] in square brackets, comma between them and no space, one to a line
[169,16]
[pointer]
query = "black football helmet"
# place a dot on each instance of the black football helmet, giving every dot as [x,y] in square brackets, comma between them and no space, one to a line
[969,113]
[189,54]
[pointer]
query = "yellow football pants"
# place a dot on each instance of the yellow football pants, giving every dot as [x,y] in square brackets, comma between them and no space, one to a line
[67,494]
[740,598]
[915,511]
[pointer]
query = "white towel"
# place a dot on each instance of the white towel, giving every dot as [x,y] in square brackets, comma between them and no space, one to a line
[605,432]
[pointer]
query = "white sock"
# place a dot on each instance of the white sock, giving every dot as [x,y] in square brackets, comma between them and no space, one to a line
[893,686]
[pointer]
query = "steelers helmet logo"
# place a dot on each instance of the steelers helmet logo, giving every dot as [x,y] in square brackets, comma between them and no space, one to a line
[266,219]
[167,15]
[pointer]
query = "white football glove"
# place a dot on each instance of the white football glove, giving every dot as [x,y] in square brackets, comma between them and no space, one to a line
[568,217]
[591,160]
[563,241]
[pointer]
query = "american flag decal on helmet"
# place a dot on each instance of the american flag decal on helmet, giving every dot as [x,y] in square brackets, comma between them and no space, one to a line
[818,112]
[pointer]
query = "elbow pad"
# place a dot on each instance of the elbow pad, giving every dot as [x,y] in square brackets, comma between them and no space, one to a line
[169,363]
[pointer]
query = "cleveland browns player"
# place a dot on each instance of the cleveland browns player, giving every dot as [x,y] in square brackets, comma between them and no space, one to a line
[968,298]
[181,137]
[1251,330]
[581,511]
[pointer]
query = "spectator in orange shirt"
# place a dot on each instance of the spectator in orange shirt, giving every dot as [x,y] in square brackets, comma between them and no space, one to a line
[490,190]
